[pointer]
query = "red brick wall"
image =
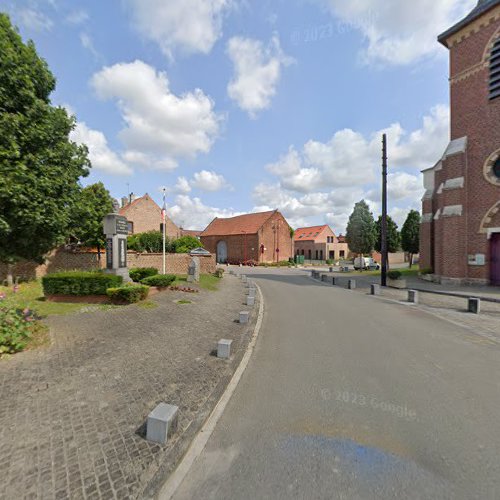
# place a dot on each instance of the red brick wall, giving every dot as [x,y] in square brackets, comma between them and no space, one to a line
[475,116]
[62,260]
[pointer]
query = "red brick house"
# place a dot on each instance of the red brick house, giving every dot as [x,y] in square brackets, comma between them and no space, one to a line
[460,231]
[263,238]
[319,243]
[143,215]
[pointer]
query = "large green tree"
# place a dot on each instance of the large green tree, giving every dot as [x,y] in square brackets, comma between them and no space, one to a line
[361,234]
[393,236]
[40,167]
[410,234]
[89,209]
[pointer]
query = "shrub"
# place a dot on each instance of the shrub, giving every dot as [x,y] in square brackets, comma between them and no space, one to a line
[150,242]
[219,272]
[160,280]
[79,283]
[394,275]
[128,294]
[137,274]
[186,243]
[330,262]
[16,327]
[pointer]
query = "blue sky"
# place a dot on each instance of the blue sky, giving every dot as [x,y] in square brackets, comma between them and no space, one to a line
[240,105]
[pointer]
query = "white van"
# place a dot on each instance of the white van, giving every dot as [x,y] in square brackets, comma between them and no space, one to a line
[366,263]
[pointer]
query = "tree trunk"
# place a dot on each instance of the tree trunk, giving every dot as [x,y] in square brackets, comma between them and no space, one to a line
[10,274]
[411,260]
[99,255]
[361,262]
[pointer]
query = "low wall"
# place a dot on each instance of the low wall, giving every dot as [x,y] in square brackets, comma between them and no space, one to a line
[65,260]
[176,263]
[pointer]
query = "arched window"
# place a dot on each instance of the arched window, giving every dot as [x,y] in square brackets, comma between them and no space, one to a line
[495,70]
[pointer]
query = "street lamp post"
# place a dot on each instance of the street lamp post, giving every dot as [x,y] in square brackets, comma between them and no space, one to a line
[384,213]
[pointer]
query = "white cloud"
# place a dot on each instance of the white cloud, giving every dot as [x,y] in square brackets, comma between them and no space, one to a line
[257,71]
[34,20]
[322,180]
[161,127]
[100,154]
[79,16]
[182,186]
[190,26]
[88,44]
[192,213]
[399,32]
[209,181]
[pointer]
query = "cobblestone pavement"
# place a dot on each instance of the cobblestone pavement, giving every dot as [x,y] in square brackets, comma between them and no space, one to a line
[71,414]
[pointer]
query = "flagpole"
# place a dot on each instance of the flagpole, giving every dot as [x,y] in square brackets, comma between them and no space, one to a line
[164,217]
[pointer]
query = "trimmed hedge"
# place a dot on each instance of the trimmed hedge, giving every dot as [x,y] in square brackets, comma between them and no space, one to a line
[160,280]
[128,294]
[137,274]
[79,283]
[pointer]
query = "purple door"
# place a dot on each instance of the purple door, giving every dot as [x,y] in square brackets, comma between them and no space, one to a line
[495,259]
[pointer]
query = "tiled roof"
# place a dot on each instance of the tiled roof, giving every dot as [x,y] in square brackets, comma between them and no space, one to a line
[308,233]
[242,224]
[190,232]
[482,7]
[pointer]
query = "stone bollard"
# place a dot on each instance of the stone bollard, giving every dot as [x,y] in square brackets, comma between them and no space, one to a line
[375,289]
[224,348]
[351,285]
[413,296]
[244,317]
[161,423]
[250,291]
[474,305]
[250,301]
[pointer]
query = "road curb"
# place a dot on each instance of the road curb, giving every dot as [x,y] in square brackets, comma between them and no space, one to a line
[198,444]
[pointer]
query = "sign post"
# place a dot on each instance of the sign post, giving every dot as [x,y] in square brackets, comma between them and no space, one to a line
[116,231]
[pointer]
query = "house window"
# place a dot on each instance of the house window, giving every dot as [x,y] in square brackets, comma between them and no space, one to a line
[342,254]
[495,70]
[317,255]
[130,227]
[321,255]
[496,168]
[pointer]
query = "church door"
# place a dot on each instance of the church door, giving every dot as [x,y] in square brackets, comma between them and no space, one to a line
[495,259]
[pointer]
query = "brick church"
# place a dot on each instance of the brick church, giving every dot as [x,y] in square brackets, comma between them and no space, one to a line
[460,231]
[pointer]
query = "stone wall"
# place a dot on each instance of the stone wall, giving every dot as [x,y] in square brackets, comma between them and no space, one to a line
[64,260]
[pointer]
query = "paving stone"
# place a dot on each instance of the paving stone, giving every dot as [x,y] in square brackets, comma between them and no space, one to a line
[71,414]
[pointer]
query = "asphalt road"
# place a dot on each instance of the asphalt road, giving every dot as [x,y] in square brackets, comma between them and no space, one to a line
[351,397]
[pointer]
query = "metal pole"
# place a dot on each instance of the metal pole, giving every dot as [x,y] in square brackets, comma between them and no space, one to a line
[384,212]
[164,217]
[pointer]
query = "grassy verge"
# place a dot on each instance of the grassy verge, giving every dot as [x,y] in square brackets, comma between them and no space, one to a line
[405,273]
[31,295]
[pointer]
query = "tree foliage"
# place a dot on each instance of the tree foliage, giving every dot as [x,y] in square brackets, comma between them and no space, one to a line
[39,166]
[186,243]
[152,242]
[361,233]
[393,236]
[92,204]
[410,234]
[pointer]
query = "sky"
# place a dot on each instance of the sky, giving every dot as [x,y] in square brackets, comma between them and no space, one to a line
[236,106]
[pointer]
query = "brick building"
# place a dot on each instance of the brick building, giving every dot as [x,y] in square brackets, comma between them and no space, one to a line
[263,238]
[319,243]
[143,215]
[460,231]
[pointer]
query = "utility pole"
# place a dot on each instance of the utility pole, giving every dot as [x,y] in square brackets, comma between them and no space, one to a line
[384,212]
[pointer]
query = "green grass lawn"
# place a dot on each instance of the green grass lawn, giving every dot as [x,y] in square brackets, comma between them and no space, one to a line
[31,295]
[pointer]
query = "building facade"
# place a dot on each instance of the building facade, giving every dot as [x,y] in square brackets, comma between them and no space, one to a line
[252,238]
[319,243]
[143,214]
[460,231]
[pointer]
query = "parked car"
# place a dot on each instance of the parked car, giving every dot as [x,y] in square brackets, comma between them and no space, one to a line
[366,264]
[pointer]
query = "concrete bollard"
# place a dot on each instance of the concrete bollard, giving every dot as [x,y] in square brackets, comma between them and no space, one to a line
[244,317]
[250,292]
[224,348]
[162,423]
[351,284]
[250,301]
[474,305]
[375,289]
[413,296]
